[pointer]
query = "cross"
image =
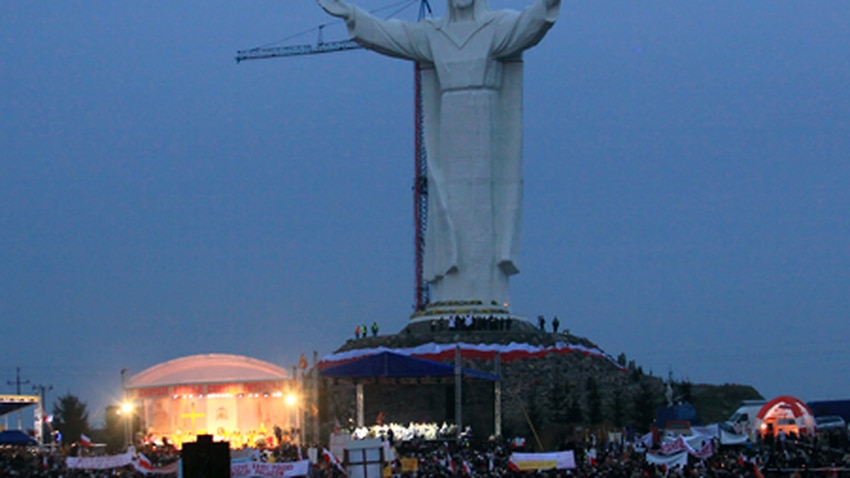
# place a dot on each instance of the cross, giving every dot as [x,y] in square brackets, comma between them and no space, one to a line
[193,416]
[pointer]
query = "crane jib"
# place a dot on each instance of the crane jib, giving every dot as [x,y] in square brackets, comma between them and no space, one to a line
[293,50]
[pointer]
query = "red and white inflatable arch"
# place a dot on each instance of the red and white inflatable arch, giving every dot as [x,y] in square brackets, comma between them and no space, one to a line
[785,413]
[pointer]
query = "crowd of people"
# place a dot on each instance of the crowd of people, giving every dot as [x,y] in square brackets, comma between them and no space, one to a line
[471,322]
[361,331]
[436,455]
[824,455]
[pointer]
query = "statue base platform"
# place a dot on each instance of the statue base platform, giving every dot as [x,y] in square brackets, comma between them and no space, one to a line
[435,328]
[475,309]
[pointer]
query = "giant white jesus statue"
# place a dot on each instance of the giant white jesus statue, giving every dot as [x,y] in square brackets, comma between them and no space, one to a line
[472,110]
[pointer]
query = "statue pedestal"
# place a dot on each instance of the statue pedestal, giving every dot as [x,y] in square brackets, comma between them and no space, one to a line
[461,308]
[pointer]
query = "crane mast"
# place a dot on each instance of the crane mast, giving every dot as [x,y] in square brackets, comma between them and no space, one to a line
[420,181]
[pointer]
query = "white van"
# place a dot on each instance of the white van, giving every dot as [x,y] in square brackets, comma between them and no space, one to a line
[743,421]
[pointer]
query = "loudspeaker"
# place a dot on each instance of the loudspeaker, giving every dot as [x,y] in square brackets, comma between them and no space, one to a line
[206,458]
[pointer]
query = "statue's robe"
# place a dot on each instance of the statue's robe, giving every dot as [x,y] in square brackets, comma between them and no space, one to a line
[472,110]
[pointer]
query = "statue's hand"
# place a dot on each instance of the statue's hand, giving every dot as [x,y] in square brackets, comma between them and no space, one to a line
[337,8]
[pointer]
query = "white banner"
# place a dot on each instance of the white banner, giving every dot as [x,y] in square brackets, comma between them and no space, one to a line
[560,460]
[727,438]
[686,444]
[711,431]
[99,462]
[269,470]
[680,459]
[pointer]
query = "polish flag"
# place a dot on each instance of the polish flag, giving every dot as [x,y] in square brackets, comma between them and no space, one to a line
[84,440]
[450,463]
[144,464]
[333,459]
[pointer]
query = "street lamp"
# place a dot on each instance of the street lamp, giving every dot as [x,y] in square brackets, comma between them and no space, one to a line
[291,400]
[127,412]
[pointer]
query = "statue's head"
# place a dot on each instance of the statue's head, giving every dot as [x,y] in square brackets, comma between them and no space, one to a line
[477,7]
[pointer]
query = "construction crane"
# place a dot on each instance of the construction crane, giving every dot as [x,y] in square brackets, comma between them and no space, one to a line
[420,181]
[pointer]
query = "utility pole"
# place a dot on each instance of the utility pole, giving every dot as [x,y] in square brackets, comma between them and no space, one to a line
[18,382]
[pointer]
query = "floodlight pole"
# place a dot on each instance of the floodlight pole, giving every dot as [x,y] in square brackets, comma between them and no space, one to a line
[41,411]
[458,392]
[302,410]
[359,404]
[314,374]
[125,415]
[497,397]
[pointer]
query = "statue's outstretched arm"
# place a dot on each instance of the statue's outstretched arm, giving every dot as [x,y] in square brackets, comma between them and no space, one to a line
[337,8]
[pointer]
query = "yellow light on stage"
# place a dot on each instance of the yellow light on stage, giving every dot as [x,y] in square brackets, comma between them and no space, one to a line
[291,399]
[126,407]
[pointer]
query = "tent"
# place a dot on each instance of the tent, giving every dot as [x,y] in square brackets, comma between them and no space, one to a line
[16,437]
[683,412]
[393,365]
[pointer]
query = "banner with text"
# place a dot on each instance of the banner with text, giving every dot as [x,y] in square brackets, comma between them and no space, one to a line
[99,462]
[560,460]
[269,470]
[679,459]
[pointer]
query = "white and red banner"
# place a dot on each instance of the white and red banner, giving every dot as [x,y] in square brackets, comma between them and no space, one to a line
[269,470]
[143,465]
[680,459]
[683,444]
[560,460]
[441,352]
[675,446]
[99,462]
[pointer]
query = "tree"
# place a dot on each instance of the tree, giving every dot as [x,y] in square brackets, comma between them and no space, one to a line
[645,402]
[594,401]
[574,413]
[71,418]
[559,402]
[618,407]
[534,411]
[621,359]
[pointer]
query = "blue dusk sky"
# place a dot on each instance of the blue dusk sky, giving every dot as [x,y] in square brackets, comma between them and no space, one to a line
[686,188]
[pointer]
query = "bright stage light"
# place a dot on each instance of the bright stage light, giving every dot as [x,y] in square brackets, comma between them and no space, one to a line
[291,399]
[126,407]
